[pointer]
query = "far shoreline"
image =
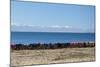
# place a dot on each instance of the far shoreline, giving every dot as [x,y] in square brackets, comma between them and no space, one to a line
[54,42]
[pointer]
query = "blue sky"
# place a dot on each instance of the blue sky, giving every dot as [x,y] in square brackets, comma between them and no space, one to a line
[46,17]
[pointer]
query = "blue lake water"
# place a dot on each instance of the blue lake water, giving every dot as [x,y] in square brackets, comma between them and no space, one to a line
[50,37]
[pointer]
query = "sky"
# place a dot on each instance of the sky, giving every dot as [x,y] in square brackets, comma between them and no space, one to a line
[50,17]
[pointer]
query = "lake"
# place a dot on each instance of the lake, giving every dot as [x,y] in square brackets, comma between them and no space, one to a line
[50,37]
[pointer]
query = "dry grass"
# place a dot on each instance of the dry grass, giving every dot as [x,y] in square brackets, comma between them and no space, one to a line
[48,56]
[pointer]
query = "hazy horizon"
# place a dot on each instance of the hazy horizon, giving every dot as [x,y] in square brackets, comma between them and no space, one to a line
[52,32]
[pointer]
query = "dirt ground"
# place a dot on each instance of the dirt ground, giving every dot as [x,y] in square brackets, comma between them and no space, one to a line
[51,56]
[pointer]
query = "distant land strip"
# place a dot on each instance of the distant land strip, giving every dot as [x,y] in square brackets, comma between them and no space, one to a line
[34,46]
